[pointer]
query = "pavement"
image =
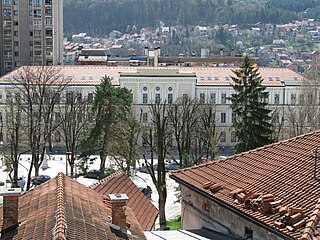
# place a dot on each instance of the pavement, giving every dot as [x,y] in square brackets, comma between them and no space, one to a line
[57,163]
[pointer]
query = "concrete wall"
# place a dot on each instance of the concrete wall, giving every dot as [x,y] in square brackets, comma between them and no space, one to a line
[198,211]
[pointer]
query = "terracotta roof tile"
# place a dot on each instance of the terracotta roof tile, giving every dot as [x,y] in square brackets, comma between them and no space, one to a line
[65,209]
[284,169]
[145,212]
[91,74]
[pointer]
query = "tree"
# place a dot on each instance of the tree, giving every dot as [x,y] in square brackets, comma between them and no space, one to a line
[15,136]
[252,121]
[157,143]
[124,147]
[110,104]
[183,116]
[71,119]
[39,89]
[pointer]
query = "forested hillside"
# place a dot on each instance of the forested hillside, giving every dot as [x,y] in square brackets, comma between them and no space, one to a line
[99,17]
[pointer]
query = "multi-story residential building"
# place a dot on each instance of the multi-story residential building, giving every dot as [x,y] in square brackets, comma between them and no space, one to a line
[31,33]
[210,85]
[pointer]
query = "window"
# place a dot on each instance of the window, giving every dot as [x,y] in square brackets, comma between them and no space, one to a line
[276,99]
[6,3]
[145,117]
[185,98]
[57,137]
[233,136]
[293,99]
[310,99]
[223,117]
[170,98]
[145,98]
[158,98]
[301,99]
[202,98]
[223,98]
[90,97]
[223,136]
[213,98]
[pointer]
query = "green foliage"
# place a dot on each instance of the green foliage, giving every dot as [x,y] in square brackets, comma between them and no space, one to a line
[109,106]
[140,13]
[175,224]
[252,121]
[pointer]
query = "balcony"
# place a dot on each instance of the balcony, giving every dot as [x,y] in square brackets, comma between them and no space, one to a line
[9,36]
[7,58]
[49,57]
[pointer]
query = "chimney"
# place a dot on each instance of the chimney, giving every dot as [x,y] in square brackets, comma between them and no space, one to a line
[156,56]
[118,202]
[221,51]
[146,51]
[10,208]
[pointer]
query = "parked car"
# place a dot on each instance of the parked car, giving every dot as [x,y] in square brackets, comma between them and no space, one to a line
[36,181]
[173,166]
[146,191]
[145,170]
[95,173]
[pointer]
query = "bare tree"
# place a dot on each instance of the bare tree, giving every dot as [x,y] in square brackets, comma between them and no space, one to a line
[157,143]
[15,136]
[40,89]
[71,119]
[184,117]
[125,143]
[304,115]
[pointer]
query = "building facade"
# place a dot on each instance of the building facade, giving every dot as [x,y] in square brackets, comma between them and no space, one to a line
[31,33]
[209,85]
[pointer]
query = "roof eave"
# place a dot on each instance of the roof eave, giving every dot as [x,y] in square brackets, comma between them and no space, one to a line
[232,209]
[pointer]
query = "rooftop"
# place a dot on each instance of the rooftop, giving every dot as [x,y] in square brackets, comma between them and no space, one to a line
[91,75]
[65,209]
[145,212]
[284,171]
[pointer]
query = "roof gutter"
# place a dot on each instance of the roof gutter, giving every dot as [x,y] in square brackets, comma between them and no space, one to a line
[260,224]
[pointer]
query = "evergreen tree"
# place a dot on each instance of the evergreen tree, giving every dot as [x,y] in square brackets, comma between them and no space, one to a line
[109,107]
[251,120]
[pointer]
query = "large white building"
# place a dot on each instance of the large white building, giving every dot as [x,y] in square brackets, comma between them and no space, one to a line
[210,85]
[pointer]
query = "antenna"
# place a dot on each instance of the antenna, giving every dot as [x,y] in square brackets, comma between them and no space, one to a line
[316,155]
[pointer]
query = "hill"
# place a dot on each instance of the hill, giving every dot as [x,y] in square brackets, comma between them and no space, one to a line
[99,17]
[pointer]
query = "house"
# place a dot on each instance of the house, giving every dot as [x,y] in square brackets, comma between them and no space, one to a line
[270,192]
[62,208]
[145,212]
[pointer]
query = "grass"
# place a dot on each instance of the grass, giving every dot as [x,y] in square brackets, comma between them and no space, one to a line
[175,223]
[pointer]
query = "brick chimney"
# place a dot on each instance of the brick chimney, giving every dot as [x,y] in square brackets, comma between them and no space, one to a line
[118,202]
[10,208]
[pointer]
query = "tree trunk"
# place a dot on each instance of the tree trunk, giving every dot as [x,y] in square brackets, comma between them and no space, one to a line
[29,174]
[162,204]
[103,159]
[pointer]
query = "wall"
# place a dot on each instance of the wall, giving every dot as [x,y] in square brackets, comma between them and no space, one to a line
[198,211]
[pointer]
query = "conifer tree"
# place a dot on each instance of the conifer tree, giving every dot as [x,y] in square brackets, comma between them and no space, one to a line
[251,119]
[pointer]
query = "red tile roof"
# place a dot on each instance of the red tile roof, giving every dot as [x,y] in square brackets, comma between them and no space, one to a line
[145,212]
[65,209]
[91,75]
[284,171]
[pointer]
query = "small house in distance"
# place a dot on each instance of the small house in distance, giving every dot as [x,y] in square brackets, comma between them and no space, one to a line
[267,193]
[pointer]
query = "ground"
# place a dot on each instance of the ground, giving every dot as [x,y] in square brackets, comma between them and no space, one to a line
[58,164]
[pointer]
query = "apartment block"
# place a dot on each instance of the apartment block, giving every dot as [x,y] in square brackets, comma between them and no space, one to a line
[31,33]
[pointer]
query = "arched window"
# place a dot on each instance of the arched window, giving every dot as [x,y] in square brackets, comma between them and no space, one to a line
[157,94]
[145,95]
[223,136]
[170,95]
